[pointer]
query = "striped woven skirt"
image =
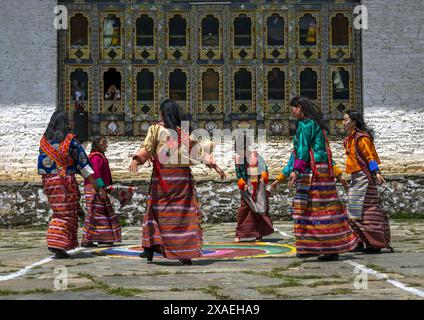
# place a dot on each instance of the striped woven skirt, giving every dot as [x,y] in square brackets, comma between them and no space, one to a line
[63,196]
[320,219]
[101,223]
[251,224]
[171,223]
[367,218]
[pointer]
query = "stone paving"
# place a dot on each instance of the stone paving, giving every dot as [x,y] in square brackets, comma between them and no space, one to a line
[92,276]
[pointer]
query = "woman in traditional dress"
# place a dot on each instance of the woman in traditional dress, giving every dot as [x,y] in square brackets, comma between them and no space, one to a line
[171,224]
[101,224]
[367,218]
[61,157]
[251,171]
[320,219]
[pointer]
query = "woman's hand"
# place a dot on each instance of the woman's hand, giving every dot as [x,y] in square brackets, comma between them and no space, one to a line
[133,166]
[221,173]
[379,179]
[292,179]
[103,193]
[274,185]
[343,182]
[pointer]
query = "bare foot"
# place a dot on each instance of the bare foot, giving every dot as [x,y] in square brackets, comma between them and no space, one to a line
[237,240]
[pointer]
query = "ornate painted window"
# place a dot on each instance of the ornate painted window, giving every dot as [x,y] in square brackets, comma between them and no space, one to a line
[210,38]
[243,91]
[145,92]
[340,37]
[309,83]
[210,91]
[112,91]
[145,38]
[78,89]
[275,37]
[276,85]
[309,36]
[177,86]
[177,37]
[112,37]
[242,37]
[79,37]
[341,88]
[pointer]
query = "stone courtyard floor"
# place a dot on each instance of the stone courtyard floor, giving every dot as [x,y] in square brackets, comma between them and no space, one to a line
[28,272]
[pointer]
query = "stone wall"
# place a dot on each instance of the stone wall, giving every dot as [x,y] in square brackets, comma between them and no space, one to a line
[24,204]
[393,51]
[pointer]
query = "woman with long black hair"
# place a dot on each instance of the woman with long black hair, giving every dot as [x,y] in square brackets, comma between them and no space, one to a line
[171,224]
[367,218]
[320,221]
[61,157]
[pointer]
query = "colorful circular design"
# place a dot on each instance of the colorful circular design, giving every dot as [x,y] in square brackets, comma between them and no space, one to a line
[213,250]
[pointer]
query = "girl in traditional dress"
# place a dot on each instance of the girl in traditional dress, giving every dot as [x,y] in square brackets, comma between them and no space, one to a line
[171,224]
[320,220]
[101,224]
[251,171]
[61,157]
[367,218]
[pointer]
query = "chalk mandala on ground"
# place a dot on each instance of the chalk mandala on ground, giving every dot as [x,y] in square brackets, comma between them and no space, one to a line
[212,250]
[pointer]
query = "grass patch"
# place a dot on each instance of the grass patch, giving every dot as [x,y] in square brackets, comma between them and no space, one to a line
[295,264]
[338,291]
[272,292]
[326,283]
[84,288]
[376,267]
[414,284]
[41,290]
[123,222]
[289,282]
[176,289]
[6,292]
[215,291]
[120,291]
[406,216]
[310,277]
[159,273]
[124,292]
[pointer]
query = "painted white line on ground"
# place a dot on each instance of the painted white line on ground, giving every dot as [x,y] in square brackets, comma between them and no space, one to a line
[383,276]
[283,233]
[25,270]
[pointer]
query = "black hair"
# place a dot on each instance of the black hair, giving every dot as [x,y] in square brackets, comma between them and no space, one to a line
[172,114]
[243,139]
[360,122]
[310,110]
[58,127]
[95,141]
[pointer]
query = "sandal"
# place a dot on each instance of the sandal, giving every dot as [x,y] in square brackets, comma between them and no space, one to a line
[186,262]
